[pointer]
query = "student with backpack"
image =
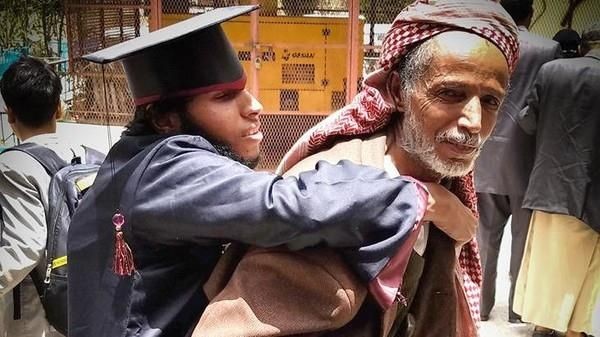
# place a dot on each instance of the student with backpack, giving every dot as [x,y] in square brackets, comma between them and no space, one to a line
[31,90]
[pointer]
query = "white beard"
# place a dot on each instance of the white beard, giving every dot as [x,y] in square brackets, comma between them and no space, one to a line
[414,141]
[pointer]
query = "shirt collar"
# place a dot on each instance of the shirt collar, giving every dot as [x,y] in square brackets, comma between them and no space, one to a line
[43,139]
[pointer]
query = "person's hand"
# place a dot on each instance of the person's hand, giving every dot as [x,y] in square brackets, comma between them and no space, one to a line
[449,214]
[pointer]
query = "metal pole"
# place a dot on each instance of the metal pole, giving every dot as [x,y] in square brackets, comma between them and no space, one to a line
[155,21]
[106,112]
[254,52]
[354,46]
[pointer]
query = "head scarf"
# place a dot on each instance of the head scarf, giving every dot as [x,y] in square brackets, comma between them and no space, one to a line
[369,112]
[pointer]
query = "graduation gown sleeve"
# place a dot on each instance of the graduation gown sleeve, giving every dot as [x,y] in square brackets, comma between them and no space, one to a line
[188,193]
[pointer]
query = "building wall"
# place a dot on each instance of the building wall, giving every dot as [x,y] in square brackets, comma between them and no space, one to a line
[94,136]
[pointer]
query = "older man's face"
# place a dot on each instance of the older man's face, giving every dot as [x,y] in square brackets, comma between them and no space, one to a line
[453,108]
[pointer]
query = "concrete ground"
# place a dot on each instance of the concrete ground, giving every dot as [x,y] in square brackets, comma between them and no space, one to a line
[498,325]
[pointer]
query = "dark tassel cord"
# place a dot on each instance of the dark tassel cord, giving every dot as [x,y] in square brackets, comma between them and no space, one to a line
[123,259]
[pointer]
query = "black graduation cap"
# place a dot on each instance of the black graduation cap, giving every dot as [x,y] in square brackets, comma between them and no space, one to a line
[185,59]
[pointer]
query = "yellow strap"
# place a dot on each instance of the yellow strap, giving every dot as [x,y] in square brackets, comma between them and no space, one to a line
[59,262]
[85,182]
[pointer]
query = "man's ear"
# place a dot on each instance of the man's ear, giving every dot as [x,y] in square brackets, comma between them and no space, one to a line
[394,90]
[167,123]
[10,116]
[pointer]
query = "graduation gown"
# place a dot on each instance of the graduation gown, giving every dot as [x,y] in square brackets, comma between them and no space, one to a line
[182,201]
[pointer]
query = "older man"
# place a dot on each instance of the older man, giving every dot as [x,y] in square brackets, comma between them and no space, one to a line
[559,280]
[425,113]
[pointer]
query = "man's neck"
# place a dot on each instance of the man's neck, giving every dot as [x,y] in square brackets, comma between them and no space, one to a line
[26,133]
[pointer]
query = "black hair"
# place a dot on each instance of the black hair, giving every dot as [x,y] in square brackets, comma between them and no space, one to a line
[142,123]
[569,41]
[31,89]
[519,10]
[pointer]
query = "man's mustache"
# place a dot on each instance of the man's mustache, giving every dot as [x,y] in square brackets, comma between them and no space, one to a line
[456,136]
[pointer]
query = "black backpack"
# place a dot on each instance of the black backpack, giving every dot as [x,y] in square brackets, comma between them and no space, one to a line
[68,184]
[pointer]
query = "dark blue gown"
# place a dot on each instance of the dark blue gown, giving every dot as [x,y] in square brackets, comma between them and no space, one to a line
[182,201]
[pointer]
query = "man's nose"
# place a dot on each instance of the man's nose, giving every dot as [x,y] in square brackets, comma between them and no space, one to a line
[252,105]
[470,118]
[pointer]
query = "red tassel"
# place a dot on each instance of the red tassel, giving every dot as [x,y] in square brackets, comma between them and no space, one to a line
[123,259]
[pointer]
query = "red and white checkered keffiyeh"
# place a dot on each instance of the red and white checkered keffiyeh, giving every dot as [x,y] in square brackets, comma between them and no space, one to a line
[369,112]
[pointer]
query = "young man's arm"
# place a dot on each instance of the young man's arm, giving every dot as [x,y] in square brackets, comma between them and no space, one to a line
[189,194]
[24,233]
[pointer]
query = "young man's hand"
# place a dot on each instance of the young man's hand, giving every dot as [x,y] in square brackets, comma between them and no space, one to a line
[449,214]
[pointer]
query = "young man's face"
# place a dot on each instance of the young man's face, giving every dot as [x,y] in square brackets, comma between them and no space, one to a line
[230,118]
[453,108]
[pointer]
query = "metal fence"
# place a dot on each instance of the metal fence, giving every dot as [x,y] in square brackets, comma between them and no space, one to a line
[93,25]
[303,58]
[548,15]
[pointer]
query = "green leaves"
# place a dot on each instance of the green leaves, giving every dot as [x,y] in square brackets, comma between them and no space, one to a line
[31,25]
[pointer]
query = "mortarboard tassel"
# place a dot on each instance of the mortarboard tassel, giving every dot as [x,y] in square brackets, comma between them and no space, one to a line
[123,259]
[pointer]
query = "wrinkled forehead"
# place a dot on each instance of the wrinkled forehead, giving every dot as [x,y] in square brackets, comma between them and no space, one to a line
[462,42]
[467,54]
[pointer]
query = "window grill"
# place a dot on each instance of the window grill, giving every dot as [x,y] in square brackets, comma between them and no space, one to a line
[280,133]
[93,25]
[297,73]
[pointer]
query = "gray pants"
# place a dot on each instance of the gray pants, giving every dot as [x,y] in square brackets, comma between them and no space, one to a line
[494,210]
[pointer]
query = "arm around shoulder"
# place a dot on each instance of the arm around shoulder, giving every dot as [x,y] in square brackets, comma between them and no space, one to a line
[197,195]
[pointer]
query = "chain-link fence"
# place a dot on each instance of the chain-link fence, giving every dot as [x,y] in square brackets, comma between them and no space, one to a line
[549,14]
[93,25]
[379,15]
[296,54]
[303,58]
